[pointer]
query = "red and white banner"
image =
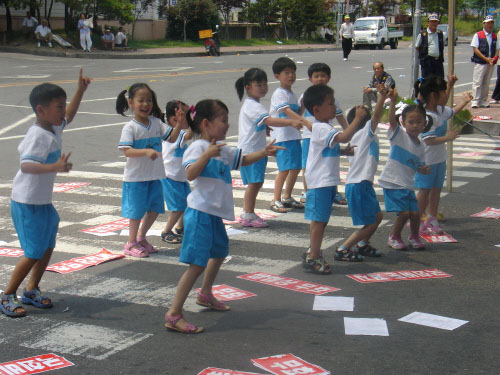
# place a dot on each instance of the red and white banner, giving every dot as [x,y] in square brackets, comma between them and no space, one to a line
[262,215]
[107,229]
[472,153]
[382,277]
[288,364]
[66,186]
[433,238]
[221,371]
[288,283]
[77,264]
[489,213]
[225,292]
[238,183]
[6,252]
[34,365]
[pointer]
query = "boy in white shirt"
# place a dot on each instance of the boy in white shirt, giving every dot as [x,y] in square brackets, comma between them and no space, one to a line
[322,171]
[35,218]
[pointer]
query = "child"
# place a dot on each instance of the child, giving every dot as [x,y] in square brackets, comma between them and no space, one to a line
[175,185]
[140,141]
[433,91]
[208,164]
[319,74]
[363,205]
[322,171]
[284,104]
[35,218]
[252,126]
[406,156]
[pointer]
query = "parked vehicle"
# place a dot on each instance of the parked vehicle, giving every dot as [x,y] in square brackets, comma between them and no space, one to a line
[373,32]
[211,41]
[444,28]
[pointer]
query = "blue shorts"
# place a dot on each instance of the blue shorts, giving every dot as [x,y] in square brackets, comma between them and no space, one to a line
[36,226]
[433,180]
[291,157]
[141,197]
[205,237]
[400,200]
[319,203]
[254,173]
[175,194]
[363,203]
[305,151]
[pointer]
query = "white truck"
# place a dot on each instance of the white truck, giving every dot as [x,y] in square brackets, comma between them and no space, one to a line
[373,32]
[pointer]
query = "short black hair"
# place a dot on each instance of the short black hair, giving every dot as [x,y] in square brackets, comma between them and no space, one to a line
[352,114]
[282,63]
[319,67]
[316,95]
[43,94]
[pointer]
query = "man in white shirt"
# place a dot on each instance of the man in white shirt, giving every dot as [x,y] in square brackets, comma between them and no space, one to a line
[29,25]
[430,47]
[43,33]
[347,34]
[485,47]
[108,40]
[121,38]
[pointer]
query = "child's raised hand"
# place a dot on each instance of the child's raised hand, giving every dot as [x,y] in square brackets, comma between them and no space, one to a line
[393,94]
[62,164]
[271,149]
[467,97]
[180,118]
[382,90]
[214,149]
[452,79]
[349,150]
[151,153]
[83,81]
[297,124]
[360,112]
[452,134]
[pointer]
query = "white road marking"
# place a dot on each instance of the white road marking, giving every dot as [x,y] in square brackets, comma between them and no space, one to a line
[152,70]
[17,123]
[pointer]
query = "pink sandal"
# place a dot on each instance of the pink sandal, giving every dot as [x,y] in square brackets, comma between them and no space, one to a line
[208,300]
[173,320]
[149,248]
[138,250]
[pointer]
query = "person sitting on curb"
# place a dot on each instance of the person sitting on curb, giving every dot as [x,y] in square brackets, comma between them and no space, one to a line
[29,25]
[108,39]
[43,33]
[380,77]
[121,38]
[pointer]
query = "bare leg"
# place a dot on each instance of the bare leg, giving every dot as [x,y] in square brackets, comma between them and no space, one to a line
[180,223]
[279,181]
[173,217]
[213,267]
[423,200]
[414,222]
[363,234]
[133,228]
[251,193]
[38,270]
[147,222]
[304,183]
[317,230]
[399,224]
[434,197]
[290,182]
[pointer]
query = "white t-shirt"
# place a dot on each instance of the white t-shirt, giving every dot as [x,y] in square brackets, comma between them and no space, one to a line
[85,29]
[433,43]
[172,158]
[364,162]
[43,147]
[212,190]
[437,153]
[405,157]
[120,37]
[306,133]
[43,30]
[135,135]
[281,100]
[30,22]
[322,167]
[251,127]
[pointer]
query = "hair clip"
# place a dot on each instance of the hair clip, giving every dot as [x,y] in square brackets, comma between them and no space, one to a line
[193,112]
[420,79]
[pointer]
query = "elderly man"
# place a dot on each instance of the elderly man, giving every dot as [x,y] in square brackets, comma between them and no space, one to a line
[379,77]
[43,33]
[108,39]
[29,25]
[485,47]
[430,46]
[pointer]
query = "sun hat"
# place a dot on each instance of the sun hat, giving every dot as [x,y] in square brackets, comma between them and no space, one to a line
[489,18]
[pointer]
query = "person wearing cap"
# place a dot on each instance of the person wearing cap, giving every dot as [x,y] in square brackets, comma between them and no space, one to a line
[430,47]
[346,32]
[43,33]
[485,47]
[108,39]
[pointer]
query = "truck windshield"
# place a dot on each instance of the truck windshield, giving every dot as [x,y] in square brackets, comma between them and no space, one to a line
[365,25]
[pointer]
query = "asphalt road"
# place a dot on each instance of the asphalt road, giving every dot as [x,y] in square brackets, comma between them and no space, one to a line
[109,318]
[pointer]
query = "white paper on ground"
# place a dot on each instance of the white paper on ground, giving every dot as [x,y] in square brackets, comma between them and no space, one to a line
[2,243]
[327,303]
[151,232]
[233,232]
[366,326]
[105,234]
[431,320]
[497,245]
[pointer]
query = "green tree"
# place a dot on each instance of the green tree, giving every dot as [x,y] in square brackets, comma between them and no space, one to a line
[140,7]
[306,16]
[383,7]
[225,7]
[264,12]
[189,16]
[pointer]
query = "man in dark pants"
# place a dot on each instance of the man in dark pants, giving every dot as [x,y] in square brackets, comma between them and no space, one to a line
[430,46]
[347,34]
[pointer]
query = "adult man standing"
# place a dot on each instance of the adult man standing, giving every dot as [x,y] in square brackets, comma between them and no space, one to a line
[485,47]
[430,47]
[43,33]
[379,77]
[29,25]
[346,32]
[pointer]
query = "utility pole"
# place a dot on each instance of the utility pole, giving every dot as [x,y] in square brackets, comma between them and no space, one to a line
[451,71]
[417,22]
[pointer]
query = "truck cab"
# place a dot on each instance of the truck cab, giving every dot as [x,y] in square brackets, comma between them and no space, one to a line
[373,32]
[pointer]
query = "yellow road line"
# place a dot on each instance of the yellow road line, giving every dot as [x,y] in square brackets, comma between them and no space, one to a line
[138,77]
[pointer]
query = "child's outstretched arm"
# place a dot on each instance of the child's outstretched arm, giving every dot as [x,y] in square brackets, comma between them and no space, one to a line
[393,95]
[466,99]
[342,121]
[293,115]
[377,113]
[72,108]
[451,82]
[269,150]
[180,119]
[282,122]
[140,152]
[346,135]
[195,169]
[61,165]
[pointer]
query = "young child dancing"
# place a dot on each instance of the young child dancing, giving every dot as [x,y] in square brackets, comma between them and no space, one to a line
[322,171]
[363,205]
[406,156]
[252,127]
[208,164]
[34,217]
[284,104]
[434,92]
[175,185]
[140,141]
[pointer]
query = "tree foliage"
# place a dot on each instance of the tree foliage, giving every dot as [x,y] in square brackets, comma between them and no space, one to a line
[187,17]
[225,7]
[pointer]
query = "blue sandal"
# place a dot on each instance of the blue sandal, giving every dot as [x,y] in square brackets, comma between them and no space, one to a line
[34,297]
[11,306]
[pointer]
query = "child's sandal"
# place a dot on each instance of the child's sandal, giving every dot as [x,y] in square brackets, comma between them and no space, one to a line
[368,251]
[11,306]
[148,247]
[317,266]
[348,256]
[34,297]
[277,206]
[208,300]
[171,237]
[172,321]
[135,249]
[292,203]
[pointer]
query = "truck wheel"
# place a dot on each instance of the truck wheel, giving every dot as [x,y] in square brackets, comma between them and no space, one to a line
[382,44]
[372,46]
[356,47]
[394,44]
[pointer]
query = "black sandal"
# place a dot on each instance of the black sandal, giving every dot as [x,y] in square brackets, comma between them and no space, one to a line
[316,266]
[368,251]
[348,255]
[178,232]
[171,237]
